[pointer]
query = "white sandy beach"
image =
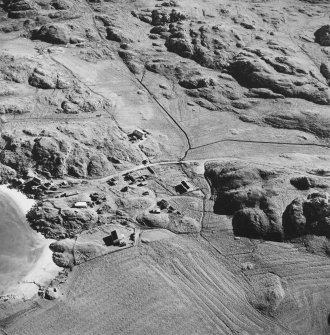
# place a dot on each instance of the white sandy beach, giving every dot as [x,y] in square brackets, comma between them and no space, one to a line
[44,269]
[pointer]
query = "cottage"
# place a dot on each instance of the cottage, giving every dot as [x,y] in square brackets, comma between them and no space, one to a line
[80,204]
[139,134]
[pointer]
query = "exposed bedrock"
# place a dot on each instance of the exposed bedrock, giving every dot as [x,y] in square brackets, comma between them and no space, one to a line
[290,76]
[246,193]
[308,216]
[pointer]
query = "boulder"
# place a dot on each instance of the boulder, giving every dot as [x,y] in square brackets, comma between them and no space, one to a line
[63,255]
[18,5]
[52,293]
[322,36]
[117,36]
[302,182]
[180,46]
[52,33]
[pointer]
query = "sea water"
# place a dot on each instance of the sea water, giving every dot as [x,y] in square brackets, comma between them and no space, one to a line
[19,244]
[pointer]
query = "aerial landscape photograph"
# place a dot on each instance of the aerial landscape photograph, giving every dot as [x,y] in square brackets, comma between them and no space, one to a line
[165,167]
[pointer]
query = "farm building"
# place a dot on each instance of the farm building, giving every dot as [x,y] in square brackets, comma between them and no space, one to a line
[139,134]
[183,187]
[80,204]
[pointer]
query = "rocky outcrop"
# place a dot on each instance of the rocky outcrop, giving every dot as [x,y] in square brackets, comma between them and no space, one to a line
[54,33]
[161,17]
[325,71]
[302,182]
[254,223]
[285,75]
[117,36]
[52,293]
[161,220]
[57,222]
[61,4]
[63,253]
[68,252]
[172,222]
[239,190]
[18,9]
[46,79]
[63,152]
[308,216]
[269,293]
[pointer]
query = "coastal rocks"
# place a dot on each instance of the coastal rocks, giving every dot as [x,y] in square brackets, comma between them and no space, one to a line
[63,253]
[68,253]
[285,75]
[6,174]
[322,35]
[308,216]
[54,221]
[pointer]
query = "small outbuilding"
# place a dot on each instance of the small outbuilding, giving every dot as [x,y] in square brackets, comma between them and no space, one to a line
[183,187]
[139,134]
[81,204]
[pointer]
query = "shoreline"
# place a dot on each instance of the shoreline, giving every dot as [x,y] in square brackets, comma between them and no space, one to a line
[43,270]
